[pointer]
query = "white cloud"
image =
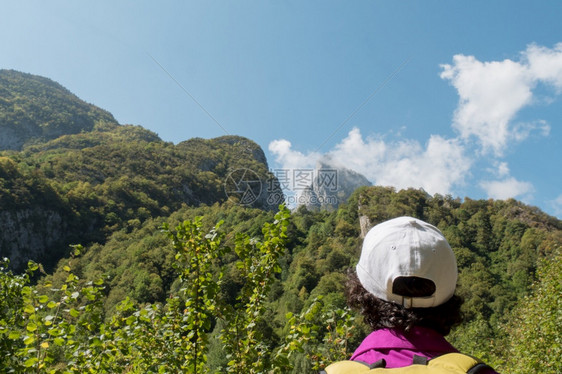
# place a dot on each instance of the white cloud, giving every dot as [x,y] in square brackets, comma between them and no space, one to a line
[358,154]
[508,188]
[290,159]
[503,169]
[545,64]
[492,93]
[436,168]
[521,131]
[557,205]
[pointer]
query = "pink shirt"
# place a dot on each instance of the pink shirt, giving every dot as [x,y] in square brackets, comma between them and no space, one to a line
[398,348]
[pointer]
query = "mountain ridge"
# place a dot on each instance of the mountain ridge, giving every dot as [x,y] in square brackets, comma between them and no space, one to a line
[35,108]
[94,176]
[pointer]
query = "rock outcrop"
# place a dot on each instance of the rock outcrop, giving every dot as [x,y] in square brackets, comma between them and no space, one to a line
[332,186]
[32,233]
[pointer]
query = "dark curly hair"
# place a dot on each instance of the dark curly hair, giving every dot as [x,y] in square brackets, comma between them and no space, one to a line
[379,314]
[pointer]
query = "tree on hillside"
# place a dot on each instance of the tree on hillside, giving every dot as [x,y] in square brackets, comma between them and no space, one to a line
[535,342]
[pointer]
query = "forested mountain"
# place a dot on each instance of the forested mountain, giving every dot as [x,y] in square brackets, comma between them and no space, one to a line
[157,287]
[95,176]
[34,108]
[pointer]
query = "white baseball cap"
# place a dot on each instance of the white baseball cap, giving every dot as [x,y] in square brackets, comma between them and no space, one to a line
[407,247]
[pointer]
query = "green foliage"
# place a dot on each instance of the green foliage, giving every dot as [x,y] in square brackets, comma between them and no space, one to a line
[65,332]
[25,188]
[232,298]
[320,335]
[137,261]
[258,264]
[534,344]
[196,254]
[40,325]
[100,182]
[478,338]
[34,108]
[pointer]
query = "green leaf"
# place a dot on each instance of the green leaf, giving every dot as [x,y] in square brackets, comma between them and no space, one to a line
[31,327]
[77,249]
[54,331]
[30,362]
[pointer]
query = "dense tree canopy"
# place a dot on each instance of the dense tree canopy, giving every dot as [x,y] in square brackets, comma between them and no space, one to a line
[103,181]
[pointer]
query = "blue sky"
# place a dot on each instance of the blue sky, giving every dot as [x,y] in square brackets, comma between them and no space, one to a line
[457,98]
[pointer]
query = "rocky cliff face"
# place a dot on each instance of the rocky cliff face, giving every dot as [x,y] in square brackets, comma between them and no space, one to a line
[31,233]
[331,187]
[10,138]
